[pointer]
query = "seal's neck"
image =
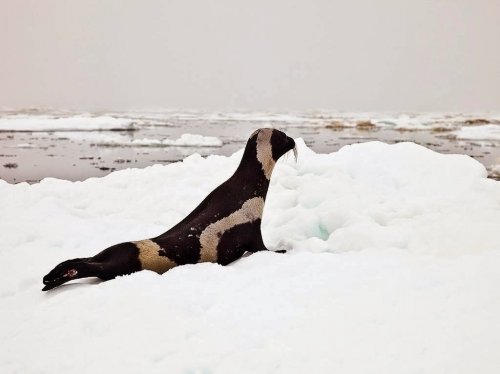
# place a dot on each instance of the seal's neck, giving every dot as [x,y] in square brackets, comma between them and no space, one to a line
[254,171]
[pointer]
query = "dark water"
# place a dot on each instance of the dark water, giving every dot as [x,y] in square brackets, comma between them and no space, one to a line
[54,156]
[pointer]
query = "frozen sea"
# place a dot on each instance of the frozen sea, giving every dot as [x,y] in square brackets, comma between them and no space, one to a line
[393,249]
[74,146]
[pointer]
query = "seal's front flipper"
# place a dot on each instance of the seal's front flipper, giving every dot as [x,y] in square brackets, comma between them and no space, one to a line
[259,245]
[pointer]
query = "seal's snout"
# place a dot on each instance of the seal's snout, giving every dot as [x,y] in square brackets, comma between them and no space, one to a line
[62,273]
[292,146]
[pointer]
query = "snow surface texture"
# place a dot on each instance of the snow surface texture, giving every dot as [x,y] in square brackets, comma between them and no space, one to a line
[393,267]
[49,123]
[186,140]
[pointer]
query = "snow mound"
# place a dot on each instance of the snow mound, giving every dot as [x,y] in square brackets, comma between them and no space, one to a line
[375,195]
[74,123]
[392,267]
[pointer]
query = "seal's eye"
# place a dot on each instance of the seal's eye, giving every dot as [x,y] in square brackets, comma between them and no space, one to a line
[71,273]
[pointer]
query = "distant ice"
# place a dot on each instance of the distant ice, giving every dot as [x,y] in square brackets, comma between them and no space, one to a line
[25,145]
[186,140]
[222,116]
[430,121]
[495,171]
[131,119]
[484,132]
[392,267]
[191,140]
[72,123]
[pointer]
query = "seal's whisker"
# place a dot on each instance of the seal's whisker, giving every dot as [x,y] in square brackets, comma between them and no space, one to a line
[287,155]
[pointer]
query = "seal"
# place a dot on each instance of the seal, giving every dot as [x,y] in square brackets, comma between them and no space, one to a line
[221,229]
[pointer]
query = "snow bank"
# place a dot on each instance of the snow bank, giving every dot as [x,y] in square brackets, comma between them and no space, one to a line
[49,123]
[392,267]
[186,140]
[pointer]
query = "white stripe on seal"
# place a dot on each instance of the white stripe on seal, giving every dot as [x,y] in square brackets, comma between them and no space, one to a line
[150,259]
[250,211]
[265,151]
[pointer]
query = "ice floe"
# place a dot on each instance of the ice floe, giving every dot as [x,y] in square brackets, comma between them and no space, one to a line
[482,132]
[71,123]
[185,140]
[392,266]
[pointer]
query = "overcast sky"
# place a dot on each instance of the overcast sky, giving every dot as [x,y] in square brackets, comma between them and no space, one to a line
[358,55]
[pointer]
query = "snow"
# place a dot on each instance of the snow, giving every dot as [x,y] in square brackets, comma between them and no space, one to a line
[186,140]
[392,266]
[484,132]
[72,123]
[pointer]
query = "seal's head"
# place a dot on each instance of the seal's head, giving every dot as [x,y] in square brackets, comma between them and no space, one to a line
[267,146]
[64,272]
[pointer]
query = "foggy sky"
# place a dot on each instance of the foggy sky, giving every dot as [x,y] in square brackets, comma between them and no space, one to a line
[360,55]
